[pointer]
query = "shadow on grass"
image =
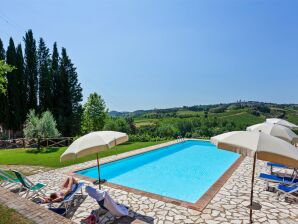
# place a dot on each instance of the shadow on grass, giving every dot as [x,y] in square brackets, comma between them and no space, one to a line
[42,150]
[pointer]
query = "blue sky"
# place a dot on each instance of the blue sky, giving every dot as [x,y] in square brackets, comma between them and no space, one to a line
[158,54]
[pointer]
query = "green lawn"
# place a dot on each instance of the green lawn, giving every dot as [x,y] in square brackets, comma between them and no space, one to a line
[50,157]
[10,216]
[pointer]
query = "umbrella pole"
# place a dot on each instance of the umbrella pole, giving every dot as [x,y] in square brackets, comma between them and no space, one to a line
[252,188]
[98,170]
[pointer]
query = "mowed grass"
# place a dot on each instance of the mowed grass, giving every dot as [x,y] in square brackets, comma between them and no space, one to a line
[10,216]
[50,157]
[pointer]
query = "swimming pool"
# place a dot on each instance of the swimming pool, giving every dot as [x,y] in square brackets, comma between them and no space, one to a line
[183,171]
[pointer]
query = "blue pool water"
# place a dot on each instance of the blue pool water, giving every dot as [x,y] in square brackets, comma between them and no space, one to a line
[183,171]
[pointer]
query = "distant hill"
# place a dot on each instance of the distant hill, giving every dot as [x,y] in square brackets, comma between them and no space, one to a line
[203,121]
[216,108]
[241,113]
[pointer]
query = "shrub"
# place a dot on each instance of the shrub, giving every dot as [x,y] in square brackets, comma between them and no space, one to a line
[167,130]
[146,138]
[118,124]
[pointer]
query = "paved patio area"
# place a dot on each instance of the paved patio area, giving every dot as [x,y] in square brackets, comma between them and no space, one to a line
[27,170]
[227,206]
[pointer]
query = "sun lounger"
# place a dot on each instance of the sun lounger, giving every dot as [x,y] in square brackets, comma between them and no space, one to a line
[8,180]
[68,199]
[36,189]
[277,179]
[281,167]
[288,191]
[59,211]
[106,202]
[277,165]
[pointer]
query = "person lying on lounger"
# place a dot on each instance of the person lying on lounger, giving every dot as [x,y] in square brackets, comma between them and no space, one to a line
[65,189]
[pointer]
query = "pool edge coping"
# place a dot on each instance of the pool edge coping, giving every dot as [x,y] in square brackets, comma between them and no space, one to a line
[199,205]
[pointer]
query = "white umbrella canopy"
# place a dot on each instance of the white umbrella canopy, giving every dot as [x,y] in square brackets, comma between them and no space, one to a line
[267,147]
[92,143]
[282,122]
[258,145]
[276,130]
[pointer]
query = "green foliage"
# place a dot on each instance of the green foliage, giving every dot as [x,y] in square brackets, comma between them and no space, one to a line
[45,79]
[14,111]
[32,129]
[146,138]
[70,97]
[4,68]
[167,130]
[132,126]
[48,125]
[22,88]
[3,136]
[40,127]
[219,109]
[31,69]
[117,124]
[57,86]
[94,114]
[53,80]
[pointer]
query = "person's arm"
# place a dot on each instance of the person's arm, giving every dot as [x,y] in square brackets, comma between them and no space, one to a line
[57,199]
[46,200]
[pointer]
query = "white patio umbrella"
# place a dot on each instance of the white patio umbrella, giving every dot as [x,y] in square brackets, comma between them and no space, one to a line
[259,146]
[276,130]
[282,122]
[92,143]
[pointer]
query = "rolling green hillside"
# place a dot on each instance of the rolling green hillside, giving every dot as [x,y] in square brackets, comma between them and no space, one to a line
[207,120]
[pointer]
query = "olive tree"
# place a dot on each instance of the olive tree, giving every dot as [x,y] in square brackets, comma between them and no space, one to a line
[43,126]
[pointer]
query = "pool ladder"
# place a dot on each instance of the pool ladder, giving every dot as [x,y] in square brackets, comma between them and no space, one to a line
[180,139]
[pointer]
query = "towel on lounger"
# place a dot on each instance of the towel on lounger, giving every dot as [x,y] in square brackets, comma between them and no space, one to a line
[109,203]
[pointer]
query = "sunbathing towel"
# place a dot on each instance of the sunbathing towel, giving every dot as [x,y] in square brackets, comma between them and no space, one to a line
[109,203]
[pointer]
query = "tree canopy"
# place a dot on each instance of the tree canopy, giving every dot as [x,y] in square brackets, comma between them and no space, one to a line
[40,127]
[94,114]
[4,68]
[41,80]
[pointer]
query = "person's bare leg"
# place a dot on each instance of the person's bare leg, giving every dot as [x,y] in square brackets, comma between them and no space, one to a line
[74,180]
[66,183]
[70,183]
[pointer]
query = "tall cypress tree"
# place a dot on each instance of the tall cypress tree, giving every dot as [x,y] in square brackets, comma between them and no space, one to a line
[2,51]
[13,91]
[76,98]
[57,88]
[31,69]
[71,96]
[22,87]
[65,93]
[3,97]
[45,79]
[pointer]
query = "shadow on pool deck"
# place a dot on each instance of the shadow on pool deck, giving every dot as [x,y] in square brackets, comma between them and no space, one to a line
[135,219]
[128,220]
